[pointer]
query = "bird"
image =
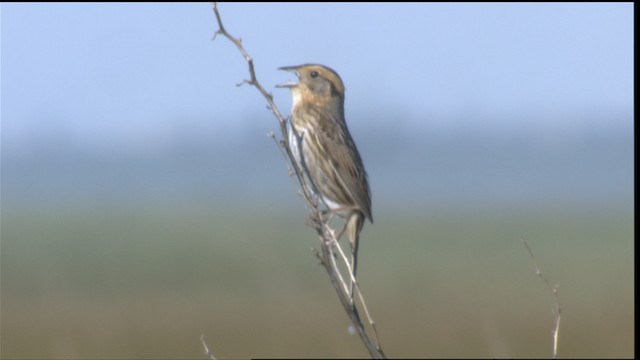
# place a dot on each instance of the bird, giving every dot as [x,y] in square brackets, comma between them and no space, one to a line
[325,152]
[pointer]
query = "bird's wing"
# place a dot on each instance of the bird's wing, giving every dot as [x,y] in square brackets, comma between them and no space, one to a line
[346,163]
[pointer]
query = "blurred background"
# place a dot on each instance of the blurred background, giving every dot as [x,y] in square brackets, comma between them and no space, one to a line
[143,204]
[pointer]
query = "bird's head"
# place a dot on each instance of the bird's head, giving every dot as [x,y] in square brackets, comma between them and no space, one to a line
[316,83]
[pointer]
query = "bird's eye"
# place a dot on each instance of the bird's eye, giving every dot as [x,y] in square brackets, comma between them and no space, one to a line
[314,74]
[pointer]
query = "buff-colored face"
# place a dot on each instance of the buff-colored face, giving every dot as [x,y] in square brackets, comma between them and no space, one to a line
[317,83]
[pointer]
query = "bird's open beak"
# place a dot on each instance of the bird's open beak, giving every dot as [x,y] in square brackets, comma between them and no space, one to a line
[289,84]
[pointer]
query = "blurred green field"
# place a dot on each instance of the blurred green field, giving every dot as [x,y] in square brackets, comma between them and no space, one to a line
[115,282]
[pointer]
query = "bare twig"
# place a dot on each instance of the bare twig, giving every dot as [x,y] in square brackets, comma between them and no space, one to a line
[325,256]
[553,289]
[207,351]
[320,223]
[284,142]
[354,281]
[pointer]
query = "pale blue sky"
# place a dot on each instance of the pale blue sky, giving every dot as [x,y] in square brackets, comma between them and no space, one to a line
[122,75]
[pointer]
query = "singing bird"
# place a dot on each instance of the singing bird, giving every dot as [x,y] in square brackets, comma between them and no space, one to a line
[325,151]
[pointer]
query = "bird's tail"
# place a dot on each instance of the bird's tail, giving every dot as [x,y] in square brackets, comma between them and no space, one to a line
[354,226]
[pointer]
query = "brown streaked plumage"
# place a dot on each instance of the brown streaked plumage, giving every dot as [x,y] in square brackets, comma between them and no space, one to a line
[324,149]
